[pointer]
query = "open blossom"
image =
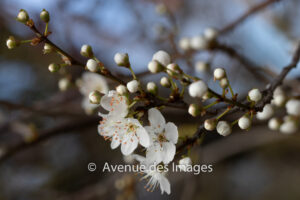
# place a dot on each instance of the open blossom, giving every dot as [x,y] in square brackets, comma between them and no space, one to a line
[127,132]
[163,137]
[156,176]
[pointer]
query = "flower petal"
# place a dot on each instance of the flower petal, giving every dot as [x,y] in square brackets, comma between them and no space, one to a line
[169,150]
[115,104]
[129,144]
[171,132]
[154,154]
[115,142]
[156,119]
[164,185]
[144,138]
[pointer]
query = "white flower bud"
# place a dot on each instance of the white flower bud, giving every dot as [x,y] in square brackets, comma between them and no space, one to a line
[164,81]
[278,91]
[185,44]
[47,48]
[206,96]
[122,59]
[198,42]
[244,122]
[202,67]
[223,128]
[224,83]
[152,88]
[154,67]
[86,51]
[198,89]
[293,107]
[194,110]
[288,127]
[64,84]
[274,124]
[92,65]
[162,57]
[255,95]
[53,67]
[210,34]
[133,86]
[184,163]
[44,15]
[278,100]
[121,90]
[173,69]
[210,124]
[95,97]
[219,73]
[11,42]
[23,16]
[266,113]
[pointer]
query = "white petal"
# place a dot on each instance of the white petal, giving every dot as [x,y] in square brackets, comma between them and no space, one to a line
[169,150]
[115,104]
[154,154]
[171,132]
[164,185]
[156,119]
[129,144]
[140,159]
[144,137]
[115,142]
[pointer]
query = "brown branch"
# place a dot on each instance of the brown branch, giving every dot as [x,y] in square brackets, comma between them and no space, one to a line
[250,12]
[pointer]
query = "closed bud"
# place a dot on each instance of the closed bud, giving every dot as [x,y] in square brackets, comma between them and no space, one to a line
[162,57]
[194,110]
[165,82]
[152,88]
[244,122]
[64,84]
[255,95]
[202,67]
[210,34]
[133,86]
[47,48]
[173,69]
[289,127]
[92,65]
[23,16]
[95,97]
[86,51]
[53,67]
[224,128]
[198,89]
[122,90]
[122,59]
[293,107]
[11,42]
[155,67]
[44,15]
[207,96]
[274,124]
[210,124]
[198,43]
[224,83]
[219,73]
[185,44]
[267,112]
[185,163]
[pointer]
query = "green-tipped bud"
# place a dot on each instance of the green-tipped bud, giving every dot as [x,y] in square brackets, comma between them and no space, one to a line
[44,15]
[224,83]
[95,97]
[53,67]
[86,51]
[164,81]
[64,84]
[47,48]
[152,88]
[122,59]
[210,124]
[11,42]
[23,16]
[194,110]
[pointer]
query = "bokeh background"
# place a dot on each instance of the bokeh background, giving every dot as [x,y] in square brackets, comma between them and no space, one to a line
[258,164]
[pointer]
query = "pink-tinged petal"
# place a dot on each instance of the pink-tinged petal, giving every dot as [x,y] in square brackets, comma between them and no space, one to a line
[143,136]
[156,119]
[129,144]
[154,154]
[169,150]
[164,185]
[115,104]
[171,132]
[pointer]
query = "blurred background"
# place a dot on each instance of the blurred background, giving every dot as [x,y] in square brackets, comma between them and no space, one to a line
[260,164]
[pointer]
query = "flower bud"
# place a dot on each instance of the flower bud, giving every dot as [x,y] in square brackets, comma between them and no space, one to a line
[86,51]
[184,163]
[11,42]
[198,89]
[162,57]
[47,48]
[185,44]
[194,110]
[164,81]
[173,69]
[210,34]
[154,67]
[266,113]
[122,90]
[198,43]
[210,124]
[152,88]
[23,16]
[223,128]
[53,67]
[224,83]
[133,86]
[202,67]
[244,122]
[95,97]
[293,107]
[122,59]
[64,84]
[44,15]
[92,65]
[274,124]
[255,95]
[288,127]
[207,96]
[219,73]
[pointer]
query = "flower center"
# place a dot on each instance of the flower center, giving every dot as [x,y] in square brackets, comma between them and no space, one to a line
[162,138]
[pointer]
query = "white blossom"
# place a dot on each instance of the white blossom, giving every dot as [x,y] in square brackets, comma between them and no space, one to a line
[154,66]
[184,163]
[288,127]
[121,59]
[121,90]
[162,57]
[274,124]
[255,95]
[244,122]
[173,69]
[133,86]
[92,65]
[293,107]
[198,89]
[267,112]
[219,73]
[163,136]
[223,128]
